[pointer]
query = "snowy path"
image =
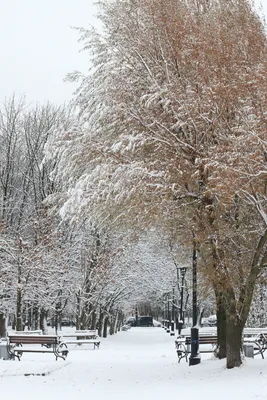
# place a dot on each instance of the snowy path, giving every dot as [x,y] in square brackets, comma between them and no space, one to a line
[140,363]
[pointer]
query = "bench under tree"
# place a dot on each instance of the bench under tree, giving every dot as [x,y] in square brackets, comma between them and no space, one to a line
[82,337]
[183,344]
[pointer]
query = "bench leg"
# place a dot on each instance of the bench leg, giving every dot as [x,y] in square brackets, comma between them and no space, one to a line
[262,351]
[13,353]
[181,352]
[18,354]
[61,351]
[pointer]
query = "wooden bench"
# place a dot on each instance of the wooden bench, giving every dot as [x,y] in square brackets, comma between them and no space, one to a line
[19,344]
[83,337]
[183,344]
[206,331]
[209,331]
[249,332]
[259,343]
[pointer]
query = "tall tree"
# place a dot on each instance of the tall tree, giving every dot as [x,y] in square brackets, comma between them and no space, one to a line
[172,123]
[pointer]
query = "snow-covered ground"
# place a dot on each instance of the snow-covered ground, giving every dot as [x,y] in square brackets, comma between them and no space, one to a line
[137,364]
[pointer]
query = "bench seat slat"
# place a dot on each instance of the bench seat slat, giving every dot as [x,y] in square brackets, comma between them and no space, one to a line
[33,350]
[96,343]
[92,341]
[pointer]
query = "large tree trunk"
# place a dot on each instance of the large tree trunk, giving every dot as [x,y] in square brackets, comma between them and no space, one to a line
[19,310]
[234,330]
[2,325]
[100,323]
[118,321]
[105,328]
[35,318]
[78,311]
[234,342]
[221,326]
[93,320]
[112,325]
[43,321]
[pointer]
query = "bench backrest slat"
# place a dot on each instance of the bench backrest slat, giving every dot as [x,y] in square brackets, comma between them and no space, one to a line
[86,333]
[24,333]
[213,331]
[212,339]
[30,339]
[82,334]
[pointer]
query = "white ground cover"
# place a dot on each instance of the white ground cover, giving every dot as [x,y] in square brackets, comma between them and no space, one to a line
[140,363]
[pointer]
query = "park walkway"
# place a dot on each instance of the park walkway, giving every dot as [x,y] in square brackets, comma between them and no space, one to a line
[139,356]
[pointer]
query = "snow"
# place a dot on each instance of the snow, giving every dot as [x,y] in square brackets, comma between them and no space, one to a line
[140,363]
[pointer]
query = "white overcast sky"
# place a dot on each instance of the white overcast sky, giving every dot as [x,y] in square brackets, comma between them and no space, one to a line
[38,47]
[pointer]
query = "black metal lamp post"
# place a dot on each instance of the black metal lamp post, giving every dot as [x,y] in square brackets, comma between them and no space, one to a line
[165,299]
[172,320]
[194,358]
[181,311]
[164,313]
[163,316]
[168,314]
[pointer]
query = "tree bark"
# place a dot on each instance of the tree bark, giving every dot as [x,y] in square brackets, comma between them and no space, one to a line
[93,320]
[2,325]
[105,328]
[35,317]
[221,326]
[100,323]
[43,321]
[234,329]
[234,342]
[19,310]
[78,310]
[112,325]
